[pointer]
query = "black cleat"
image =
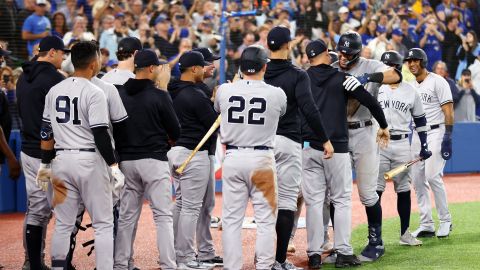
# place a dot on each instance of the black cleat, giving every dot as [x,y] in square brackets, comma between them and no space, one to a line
[347,261]
[315,261]
[216,261]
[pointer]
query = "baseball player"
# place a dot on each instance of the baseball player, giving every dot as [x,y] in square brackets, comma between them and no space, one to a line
[327,246]
[400,103]
[142,147]
[32,87]
[288,149]
[250,111]
[438,105]
[127,48]
[205,247]
[335,175]
[75,121]
[196,116]
[362,130]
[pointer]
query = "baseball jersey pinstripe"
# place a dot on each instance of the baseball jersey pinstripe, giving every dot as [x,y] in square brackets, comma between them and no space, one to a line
[399,105]
[75,106]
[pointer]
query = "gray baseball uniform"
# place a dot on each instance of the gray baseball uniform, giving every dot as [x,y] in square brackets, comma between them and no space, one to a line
[334,175]
[79,173]
[250,111]
[434,92]
[362,141]
[399,105]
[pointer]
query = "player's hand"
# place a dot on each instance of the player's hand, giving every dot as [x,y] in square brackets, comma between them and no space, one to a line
[424,152]
[328,150]
[44,175]
[118,177]
[351,83]
[383,137]
[363,79]
[446,146]
[13,168]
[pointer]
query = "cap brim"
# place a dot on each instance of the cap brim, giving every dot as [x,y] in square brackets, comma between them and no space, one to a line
[162,62]
[66,50]
[5,52]
[213,58]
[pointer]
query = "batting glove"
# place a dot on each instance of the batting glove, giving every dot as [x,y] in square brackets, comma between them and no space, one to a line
[118,177]
[364,79]
[44,175]
[351,83]
[447,146]
[424,152]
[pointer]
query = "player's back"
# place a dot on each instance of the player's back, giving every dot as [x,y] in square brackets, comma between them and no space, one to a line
[118,76]
[73,107]
[250,112]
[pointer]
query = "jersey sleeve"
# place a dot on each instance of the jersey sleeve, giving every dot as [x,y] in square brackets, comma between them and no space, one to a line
[377,66]
[216,102]
[282,101]
[28,25]
[417,108]
[97,109]
[442,89]
[115,105]
[46,110]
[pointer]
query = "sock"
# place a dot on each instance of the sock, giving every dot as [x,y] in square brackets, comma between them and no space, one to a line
[284,228]
[404,204]
[332,215]
[374,216]
[380,193]
[34,245]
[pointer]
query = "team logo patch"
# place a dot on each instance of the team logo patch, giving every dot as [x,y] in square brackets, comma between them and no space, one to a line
[410,53]
[346,44]
[387,56]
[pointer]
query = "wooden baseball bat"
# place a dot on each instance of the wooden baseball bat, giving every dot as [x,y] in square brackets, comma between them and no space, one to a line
[209,133]
[390,174]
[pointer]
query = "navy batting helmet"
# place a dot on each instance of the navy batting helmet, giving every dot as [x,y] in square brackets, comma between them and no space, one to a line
[417,54]
[393,59]
[350,43]
[253,59]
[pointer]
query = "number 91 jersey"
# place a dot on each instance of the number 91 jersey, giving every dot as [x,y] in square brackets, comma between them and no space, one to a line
[73,107]
[250,112]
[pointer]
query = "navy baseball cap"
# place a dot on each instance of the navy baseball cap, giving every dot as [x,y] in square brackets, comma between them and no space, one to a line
[191,59]
[146,58]
[52,42]
[129,44]
[207,54]
[315,48]
[397,32]
[278,36]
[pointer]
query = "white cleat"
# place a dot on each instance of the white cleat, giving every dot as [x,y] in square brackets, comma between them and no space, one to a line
[444,229]
[407,239]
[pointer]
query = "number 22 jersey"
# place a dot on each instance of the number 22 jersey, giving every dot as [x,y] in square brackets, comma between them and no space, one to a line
[73,107]
[250,112]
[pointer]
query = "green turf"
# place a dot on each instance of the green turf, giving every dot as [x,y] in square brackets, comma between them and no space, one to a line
[461,250]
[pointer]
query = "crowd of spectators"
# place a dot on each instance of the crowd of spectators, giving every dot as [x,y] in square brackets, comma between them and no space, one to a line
[446,29]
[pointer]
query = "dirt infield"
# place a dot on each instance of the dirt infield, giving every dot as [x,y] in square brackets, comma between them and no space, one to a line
[460,188]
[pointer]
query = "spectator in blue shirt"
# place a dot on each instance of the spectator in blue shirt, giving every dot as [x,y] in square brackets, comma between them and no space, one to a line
[184,46]
[444,9]
[468,52]
[368,31]
[410,38]
[431,42]
[467,14]
[36,26]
